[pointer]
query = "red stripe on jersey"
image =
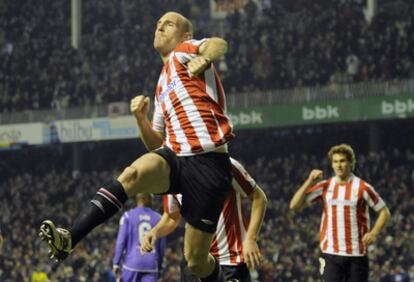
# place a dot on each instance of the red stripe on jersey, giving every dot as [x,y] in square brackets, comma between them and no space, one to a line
[239,234]
[334,220]
[232,226]
[347,219]
[371,194]
[321,185]
[186,48]
[323,234]
[197,89]
[165,204]
[176,147]
[239,246]
[214,250]
[244,184]
[361,218]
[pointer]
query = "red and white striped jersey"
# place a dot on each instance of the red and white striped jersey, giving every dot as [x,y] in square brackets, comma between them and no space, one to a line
[345,217]
[227,244]
[191,111]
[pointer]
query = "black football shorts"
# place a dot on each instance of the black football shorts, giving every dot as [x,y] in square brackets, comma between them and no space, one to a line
[204,181]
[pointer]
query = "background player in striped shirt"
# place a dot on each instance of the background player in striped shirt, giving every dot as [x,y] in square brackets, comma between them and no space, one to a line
[187,138]
[344,233]
[234,243]
[132,228]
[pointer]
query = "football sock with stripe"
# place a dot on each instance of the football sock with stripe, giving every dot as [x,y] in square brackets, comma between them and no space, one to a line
[106,202]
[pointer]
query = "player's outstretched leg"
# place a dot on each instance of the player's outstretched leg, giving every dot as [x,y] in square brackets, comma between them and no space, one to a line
[148,174]
[58,240]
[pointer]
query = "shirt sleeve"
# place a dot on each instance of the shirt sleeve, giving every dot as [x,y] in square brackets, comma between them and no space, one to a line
[121,240]
[242,181]
[372,198]
[314,194]
[171,205]
[158,122]
[188,50]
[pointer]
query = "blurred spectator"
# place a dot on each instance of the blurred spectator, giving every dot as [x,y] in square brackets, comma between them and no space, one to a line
[1,241]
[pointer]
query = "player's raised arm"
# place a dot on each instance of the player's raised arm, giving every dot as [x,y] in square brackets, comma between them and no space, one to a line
[210,50]
[298,200]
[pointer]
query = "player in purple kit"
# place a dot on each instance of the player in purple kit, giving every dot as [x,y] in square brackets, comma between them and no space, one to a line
[133,226]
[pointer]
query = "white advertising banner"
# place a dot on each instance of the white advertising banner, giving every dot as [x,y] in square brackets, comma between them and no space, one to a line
[98,129]
[24,133]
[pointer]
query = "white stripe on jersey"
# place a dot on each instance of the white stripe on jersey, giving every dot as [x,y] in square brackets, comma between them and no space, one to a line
[211,87]
[340,218]
[353,214]
[218,126]
[221,237]
[184,57]
[329,233]
[242,227]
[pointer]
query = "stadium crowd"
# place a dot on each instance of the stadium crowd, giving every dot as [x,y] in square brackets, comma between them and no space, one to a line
[40,187]
[273,45]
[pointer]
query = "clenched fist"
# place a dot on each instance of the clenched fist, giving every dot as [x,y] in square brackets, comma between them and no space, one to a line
[315,175]
[147,244]
[198,65]
[140,106]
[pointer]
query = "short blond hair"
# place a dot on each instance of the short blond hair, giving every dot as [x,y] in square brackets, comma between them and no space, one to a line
[343,149]
[186,25]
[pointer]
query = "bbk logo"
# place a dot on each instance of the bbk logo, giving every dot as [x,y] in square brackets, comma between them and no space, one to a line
[397,107]
[317,113]
[243,118]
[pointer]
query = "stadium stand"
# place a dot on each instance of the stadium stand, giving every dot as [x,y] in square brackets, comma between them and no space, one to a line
[272,46]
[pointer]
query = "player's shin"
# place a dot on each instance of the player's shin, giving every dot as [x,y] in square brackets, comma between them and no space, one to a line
[106,202]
